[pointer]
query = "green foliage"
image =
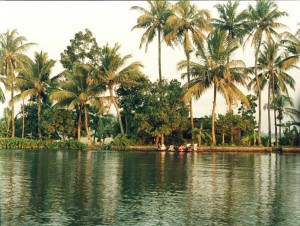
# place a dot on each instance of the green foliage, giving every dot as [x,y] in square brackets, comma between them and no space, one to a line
[265,141]
[19,143]
[123,140]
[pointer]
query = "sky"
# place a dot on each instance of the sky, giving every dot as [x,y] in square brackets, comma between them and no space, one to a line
[51,25]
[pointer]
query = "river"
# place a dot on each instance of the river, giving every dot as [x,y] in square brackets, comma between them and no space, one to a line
[148,188]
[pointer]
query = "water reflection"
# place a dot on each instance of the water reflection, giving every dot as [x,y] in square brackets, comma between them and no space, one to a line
[126,188]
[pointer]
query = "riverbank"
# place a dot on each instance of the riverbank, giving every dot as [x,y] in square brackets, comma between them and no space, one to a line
[217,149]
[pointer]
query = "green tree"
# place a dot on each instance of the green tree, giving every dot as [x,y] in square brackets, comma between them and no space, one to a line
[273,65]
[76,90]
[160,121]
[262,22]
[35,76]
[12,47]
[83,49]
[213,71]
[113,71]
[187,26]
[153,21]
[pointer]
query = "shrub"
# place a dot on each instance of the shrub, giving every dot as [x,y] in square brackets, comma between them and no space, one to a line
[123,140]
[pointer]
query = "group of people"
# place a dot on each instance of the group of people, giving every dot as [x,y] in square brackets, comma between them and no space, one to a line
[181,148]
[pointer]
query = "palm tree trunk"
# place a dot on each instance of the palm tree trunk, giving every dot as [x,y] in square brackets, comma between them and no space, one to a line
[13,129]
[280,128]
[275,118]
[79,124]
[39,117]
[159,56]
[259,94]
[269,113]
[162,138]
[117,109]
[213,134]
[86,123]
[23,119]
[191,102]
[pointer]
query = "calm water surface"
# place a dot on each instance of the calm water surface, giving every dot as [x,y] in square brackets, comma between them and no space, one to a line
[148,188]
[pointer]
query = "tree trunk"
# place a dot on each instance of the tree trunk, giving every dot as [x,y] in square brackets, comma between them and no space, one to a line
[39,117]
[269,114]
[86,123]
[159,56]
[117,109]
[23,119]
[79,124]
[275,118]
[191,102]
[259,94]
[223,138]
[213,116]
[280,128]
[162,138]
[13,129]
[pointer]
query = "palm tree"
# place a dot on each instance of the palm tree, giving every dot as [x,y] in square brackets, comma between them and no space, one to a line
[283,105]
[113,71]
[187,26]
[12,47]
[234,24]
[273,64]
[231,21]
[34,79]
[262,22]
[153,21]
[213,71]
[76,89]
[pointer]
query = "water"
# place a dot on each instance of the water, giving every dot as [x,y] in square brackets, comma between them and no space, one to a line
[148,188]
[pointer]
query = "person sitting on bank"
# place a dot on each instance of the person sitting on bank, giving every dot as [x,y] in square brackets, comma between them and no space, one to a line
[181,148]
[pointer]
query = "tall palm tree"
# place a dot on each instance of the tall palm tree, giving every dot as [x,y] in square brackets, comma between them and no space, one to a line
[187,26]
[213,71]
[262,24]
[76,89]
[233,22]
[113,72]
[34,79]
[153,21]
[273,64]
[12,47]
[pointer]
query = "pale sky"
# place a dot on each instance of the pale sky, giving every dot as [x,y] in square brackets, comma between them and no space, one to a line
[52,24]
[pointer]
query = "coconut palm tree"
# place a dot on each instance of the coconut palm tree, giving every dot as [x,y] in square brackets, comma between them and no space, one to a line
[153,21]
[76,89]
[283,105]
[233,22]
[12,47]
[113,72]
[262,24]
[273,64]
[187,26]
[34,79]
[213,71]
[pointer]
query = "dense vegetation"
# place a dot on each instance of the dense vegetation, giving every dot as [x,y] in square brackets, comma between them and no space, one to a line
[57,110]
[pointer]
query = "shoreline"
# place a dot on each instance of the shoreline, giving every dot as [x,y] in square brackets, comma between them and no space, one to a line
[216,149]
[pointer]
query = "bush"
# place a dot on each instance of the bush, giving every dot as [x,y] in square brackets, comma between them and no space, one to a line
[21,143]
[123,140]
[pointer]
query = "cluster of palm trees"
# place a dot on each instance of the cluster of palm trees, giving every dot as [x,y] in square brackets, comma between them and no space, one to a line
[214,40]
[74,88]
[210,41]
